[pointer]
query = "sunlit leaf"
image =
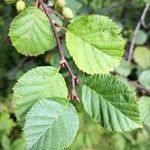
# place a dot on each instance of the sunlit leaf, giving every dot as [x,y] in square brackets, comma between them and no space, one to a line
[95,44]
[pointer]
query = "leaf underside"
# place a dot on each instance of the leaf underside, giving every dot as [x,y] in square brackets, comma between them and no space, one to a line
[41,82]
[95,44]
[30,32]
[111,103]
[51,124]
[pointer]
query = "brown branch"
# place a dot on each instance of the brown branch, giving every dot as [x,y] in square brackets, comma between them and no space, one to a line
[140,23]
[139,87]
[58,14]
[134,83]
[61,27]
[37,3]
[63,61]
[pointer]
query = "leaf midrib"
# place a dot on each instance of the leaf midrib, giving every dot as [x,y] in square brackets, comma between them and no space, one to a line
[66,106]
[109,102]
[91,44]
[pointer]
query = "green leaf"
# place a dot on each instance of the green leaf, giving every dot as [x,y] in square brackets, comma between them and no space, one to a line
[51,124]
[111,102]
[141,37]
[142,56]
[118,141]
[6,143]
[41,82]
[30,32]
[74,6]
[66,52]
[18,144]
[144,79]
[145,109]
[6,123]
[124,68]
[54,61]
[95,44]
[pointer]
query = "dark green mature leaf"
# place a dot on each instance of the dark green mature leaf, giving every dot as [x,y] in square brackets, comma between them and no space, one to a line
[41,82]
[111,103]
[145,109]
[30,32]
[95,44]
[51,124]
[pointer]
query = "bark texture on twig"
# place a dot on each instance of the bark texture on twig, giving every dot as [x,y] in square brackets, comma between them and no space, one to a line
[63,62]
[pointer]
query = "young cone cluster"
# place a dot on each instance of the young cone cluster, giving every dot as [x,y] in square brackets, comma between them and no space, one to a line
[20,5]
[66,11]
[60,3]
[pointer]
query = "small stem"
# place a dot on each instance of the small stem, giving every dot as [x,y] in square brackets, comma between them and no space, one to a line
[140,23]
[37,3]
[63,61]
[54,30]
[140,87]
[133,42]
[144,14]
[59,26]
[58,14]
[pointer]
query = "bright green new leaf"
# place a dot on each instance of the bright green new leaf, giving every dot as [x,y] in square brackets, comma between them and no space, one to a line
[30,32]
[95,44]
[145,109]
[144,79]
[41,82]
[51,124]
[111,102]
[142,56]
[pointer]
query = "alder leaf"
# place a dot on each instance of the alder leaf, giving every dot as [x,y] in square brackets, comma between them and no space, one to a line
[124,68]
[51,124]
[144,79]
[145,109]
[111,102]
[141,37]
[31,33]
[142,56]
[41,82]
[95,44]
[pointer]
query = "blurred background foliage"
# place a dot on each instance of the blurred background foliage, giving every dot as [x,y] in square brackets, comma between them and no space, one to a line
[91,136]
